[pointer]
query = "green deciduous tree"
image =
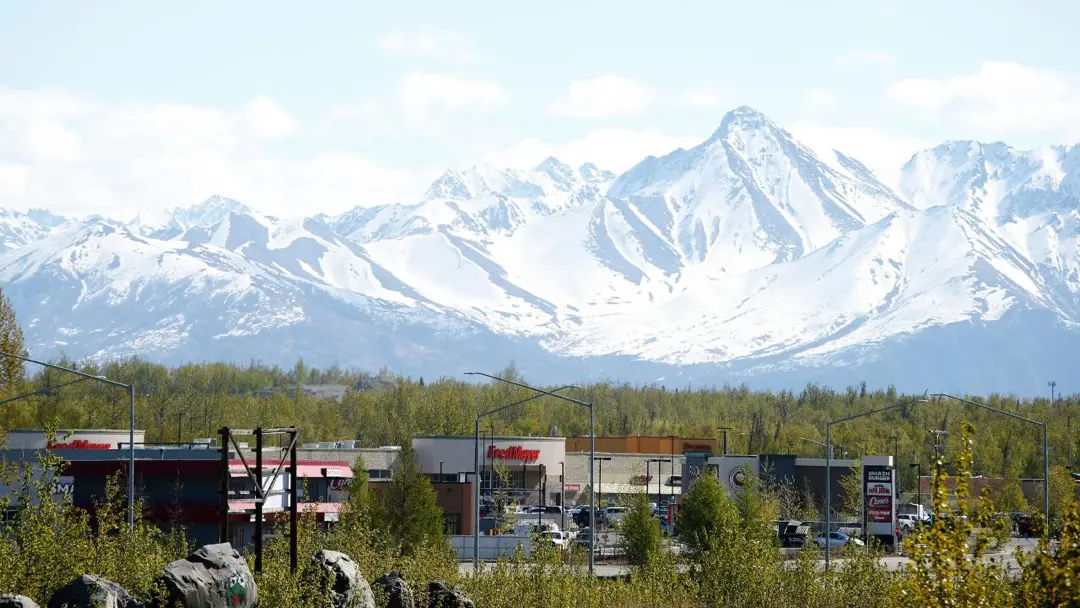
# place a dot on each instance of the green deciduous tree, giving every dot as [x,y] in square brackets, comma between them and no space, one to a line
[947,569]
[412,509]
[639,532]
[11,341]
[708,513]
[1051,573]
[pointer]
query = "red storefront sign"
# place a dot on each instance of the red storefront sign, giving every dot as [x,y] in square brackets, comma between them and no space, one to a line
[515,452]
[79,444]
[573,487]
[879,508]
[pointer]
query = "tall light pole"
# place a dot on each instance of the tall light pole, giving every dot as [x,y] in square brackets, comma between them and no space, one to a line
[1046,449]
[659,462]
[562,492]
[828,466]
[723,431]
[918,480]
[592,456]
[896,463]
[828,447]
[601,460]
[131,435]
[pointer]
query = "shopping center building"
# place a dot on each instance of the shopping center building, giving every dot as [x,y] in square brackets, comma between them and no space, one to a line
[182,483]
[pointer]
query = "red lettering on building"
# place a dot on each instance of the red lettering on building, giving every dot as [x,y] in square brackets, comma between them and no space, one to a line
[515,452]
[79,444]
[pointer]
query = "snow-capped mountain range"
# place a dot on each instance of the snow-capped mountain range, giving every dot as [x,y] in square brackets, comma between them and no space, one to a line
[749,257]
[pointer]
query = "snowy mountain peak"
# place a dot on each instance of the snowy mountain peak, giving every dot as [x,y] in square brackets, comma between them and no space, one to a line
[552,165]
[203,215]
[45,218]
[745,118]
[451,185]
[591,173]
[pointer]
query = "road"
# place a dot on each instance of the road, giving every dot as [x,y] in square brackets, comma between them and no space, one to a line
[1006,557]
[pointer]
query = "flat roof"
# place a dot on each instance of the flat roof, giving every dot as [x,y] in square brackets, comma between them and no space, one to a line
[484,437]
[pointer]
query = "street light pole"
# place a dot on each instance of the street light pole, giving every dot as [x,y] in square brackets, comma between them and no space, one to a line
[562,492]
[592,453]
[918,481]
[723,431]
[828,466]
[131,434]
[1046,450]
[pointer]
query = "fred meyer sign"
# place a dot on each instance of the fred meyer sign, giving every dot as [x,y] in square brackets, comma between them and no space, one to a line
[78,444]
[514,452]
[72,439]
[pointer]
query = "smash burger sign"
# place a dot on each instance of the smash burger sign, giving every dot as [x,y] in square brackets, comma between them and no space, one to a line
[514,452]
[879,496]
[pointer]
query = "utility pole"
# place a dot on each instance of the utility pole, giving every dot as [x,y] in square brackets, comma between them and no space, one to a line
[723,431]
[939,445]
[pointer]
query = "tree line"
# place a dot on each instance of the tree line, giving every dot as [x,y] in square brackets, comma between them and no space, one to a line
[184,402]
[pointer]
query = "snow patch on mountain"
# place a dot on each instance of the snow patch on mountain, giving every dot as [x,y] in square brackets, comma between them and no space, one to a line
[748,253]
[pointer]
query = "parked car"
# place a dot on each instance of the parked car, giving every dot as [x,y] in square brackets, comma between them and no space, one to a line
[838,539]
[560,540]
[614,515]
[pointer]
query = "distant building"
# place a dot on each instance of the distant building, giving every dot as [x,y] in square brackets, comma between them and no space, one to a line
[333,392]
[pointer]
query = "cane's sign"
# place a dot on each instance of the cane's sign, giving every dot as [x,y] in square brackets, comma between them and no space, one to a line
[514,452]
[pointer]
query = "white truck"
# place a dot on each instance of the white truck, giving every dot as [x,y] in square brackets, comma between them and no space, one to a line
[915,513]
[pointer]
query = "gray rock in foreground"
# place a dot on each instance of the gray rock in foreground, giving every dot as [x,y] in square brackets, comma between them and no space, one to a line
[91,591]
[441,595]
[393,587]
[348,588]
[214,576]
[10,600]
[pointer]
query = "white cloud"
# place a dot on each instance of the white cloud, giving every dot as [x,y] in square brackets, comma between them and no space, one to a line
[856,58]
[613,149]
[80,156]
[1000,98]
[607,96]
[702,97]
[819,100]
[428,44]
[424,101]
[882,152]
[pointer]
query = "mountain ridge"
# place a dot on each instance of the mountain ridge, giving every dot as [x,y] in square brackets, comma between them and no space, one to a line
[748,256]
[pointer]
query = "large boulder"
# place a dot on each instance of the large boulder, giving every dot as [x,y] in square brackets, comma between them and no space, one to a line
[214,576]
[91,591]
[393,587]
[442,595]
[348,588]
[10,600]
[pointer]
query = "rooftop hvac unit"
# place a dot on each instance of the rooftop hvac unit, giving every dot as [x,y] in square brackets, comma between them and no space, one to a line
[351,444]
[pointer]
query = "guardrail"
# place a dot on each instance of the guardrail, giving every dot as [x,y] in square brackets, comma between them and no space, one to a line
[491,547]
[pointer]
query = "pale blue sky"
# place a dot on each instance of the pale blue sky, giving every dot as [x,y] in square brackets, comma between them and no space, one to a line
[82,88]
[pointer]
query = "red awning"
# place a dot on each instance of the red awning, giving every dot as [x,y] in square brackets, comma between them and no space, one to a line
[331,469]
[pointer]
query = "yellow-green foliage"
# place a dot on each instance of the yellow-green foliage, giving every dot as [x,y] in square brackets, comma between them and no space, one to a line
[48,543]
[948,570]
[1052,573]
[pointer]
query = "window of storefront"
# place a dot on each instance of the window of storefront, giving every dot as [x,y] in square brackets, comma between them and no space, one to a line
[380,474]
[453,523]
[510,479]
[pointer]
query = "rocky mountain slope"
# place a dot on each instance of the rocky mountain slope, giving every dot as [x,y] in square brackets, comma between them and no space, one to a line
[748,257]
